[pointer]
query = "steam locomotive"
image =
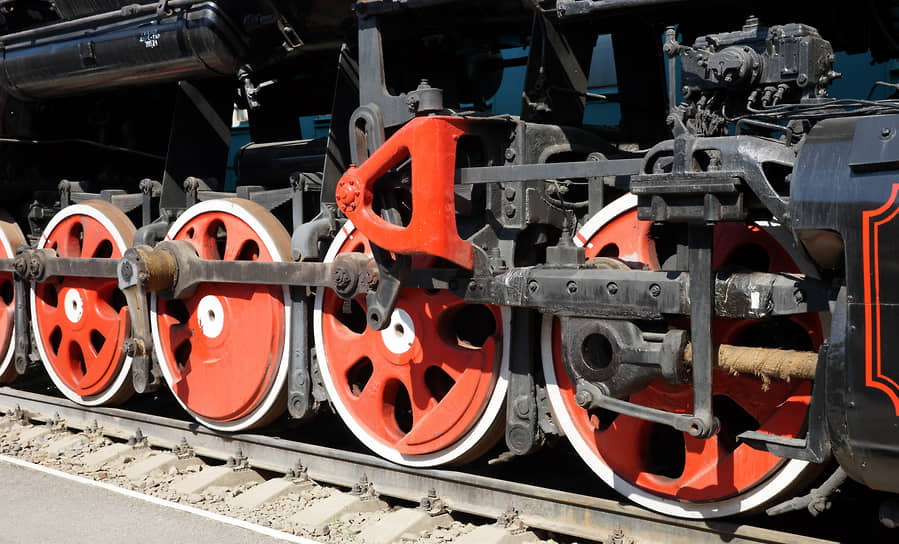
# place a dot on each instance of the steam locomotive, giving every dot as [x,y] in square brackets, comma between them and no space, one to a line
[646,225]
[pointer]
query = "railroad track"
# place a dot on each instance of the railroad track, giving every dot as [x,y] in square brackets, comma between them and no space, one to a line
[538,507]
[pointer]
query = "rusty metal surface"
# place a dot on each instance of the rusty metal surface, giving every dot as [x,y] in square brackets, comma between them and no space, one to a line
[572,514]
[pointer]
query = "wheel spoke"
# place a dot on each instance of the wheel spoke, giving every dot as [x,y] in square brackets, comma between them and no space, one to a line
[233,244]
[701,458]
[748,394]
[420,396]
[99,311]
[356,346]
[93,365]
[92,238]
[180,333]
[52,316]
[629,435]
[67,243]
[198,235]
[371,401]
[110,345]
[458,360]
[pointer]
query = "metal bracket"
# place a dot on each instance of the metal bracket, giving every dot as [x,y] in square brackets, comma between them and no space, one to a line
[364,489]
[367,128]
[702,312]
[392,110]
[434,505]
[815,447]
[183,449]
[163,9]
[523,435]
[135,274]
[616,356]
[149,189]
[138,440]
[22,310]
[298,473]
[392,275]
[300,402]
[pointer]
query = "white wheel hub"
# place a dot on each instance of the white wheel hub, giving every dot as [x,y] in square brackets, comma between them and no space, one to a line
[74,305]
[211,316]
[400,332]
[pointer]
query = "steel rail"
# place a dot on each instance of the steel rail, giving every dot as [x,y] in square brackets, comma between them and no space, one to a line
[566,513]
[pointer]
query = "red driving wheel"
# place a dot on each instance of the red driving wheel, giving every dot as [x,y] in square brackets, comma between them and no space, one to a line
[427,389]
[665,469]
[81,323]
[223,349]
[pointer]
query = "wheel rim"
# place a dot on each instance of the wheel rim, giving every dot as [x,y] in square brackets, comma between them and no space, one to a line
[223,350]
[81,323]
[670,471]
[11,237]
[425,391]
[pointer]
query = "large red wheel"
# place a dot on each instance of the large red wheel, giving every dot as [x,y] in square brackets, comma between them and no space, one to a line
[667,470]
[80,323]
[428,389]
[11,237]
[223,350]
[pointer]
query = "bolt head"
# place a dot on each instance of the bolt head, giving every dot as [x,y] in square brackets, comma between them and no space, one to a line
[612,288]
[533,286]
[129,348]
[583,398]
[36,267]
[348,194]
[341,278]
[510,154]
[572,287]
[371,280]
[523,406]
